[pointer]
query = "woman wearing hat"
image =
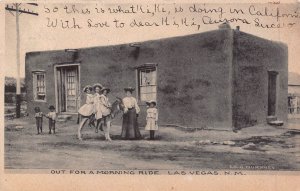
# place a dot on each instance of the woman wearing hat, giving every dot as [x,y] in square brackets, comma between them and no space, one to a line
[88,108]
[152,117]
[98,114]
[130,129]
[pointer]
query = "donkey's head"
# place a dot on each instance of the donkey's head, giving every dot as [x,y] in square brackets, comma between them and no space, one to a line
[117,107]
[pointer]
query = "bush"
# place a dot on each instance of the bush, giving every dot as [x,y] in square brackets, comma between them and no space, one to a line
[10,84]
[11,97]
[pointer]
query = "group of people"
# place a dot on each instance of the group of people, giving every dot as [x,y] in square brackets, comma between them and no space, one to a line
[98,108]
[97,105]
[39,119]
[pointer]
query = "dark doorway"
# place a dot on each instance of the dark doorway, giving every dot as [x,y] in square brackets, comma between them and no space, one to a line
[272,91]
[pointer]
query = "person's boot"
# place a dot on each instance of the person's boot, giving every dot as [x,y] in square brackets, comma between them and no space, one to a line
[101,127]
[92,124]
[92,121]
[151,135]
[97,126]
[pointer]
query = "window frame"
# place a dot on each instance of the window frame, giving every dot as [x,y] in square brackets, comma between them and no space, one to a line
[35,86]
[149,66]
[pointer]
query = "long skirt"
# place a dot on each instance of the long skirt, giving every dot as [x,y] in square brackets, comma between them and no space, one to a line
[130,129]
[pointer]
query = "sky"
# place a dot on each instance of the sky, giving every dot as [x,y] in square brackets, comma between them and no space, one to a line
[36,36]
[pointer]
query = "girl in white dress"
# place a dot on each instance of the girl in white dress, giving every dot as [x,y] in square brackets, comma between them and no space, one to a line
[105,107]
[152,117]
[88,108]
[97,104]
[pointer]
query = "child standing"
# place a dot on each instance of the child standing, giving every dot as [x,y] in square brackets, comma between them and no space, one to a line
[38,119]
[152,117]
[52,118]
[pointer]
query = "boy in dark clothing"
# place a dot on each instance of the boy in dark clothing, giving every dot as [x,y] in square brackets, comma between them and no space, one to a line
[39,120]
[52,119]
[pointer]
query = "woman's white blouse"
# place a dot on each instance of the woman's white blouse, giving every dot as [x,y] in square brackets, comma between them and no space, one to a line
[130,102]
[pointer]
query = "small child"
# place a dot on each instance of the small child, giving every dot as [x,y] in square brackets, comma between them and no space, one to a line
[152,117]
[52,118]
[38,119]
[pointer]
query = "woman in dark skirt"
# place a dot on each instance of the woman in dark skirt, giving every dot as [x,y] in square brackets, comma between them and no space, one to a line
[130,129]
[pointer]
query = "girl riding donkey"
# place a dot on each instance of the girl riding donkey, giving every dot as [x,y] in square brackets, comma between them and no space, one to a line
[92,108]
[98,113]
[88,109]
[104,108]
[104,111]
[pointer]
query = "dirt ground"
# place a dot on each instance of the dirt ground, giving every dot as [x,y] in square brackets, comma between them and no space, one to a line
[259,147]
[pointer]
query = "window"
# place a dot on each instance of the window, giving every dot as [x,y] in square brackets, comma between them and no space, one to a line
[71,83]
[39,86]
[147,77]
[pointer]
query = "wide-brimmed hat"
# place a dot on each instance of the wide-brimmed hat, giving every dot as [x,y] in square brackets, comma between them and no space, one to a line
[151,101]
[88,87]
[105,88]
[97,85]
[51,107]
[131,89]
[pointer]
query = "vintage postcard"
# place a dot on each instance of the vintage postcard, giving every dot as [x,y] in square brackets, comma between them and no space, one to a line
[180,89]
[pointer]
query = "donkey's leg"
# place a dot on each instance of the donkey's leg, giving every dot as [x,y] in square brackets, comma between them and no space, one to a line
[82,123]
[107,126]
[78,118]
[102,124]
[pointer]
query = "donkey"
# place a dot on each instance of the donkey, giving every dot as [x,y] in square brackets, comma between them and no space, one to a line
[116,108]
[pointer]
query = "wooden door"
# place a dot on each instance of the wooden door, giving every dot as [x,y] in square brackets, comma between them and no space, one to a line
[67,88]
[272,91]
[71,89]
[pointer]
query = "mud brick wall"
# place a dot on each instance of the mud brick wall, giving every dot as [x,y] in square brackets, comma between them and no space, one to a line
[36,61]
[194,75]
[194,87]
[253,57]
[217,79]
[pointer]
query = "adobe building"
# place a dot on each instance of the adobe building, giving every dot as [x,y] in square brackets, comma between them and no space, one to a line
[221,79]
[294,94]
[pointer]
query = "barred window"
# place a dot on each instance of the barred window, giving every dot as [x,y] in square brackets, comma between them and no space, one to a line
[39,86]
[71,83]
[147,77]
